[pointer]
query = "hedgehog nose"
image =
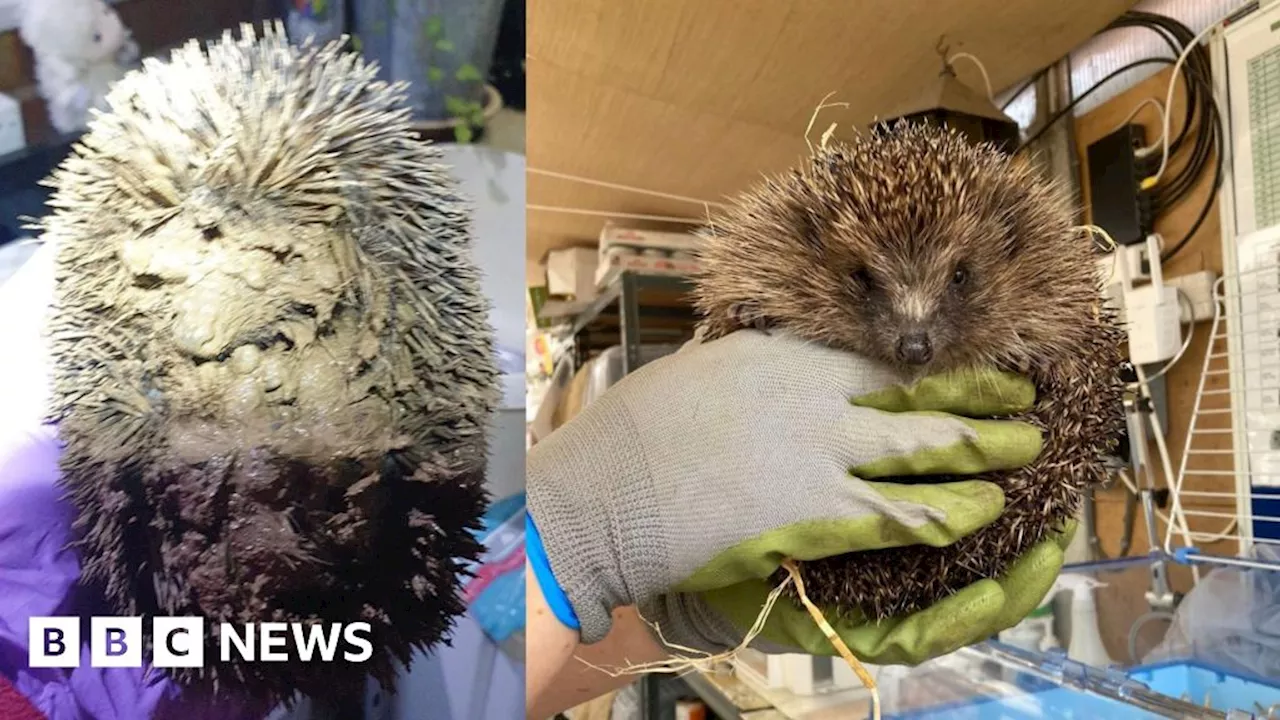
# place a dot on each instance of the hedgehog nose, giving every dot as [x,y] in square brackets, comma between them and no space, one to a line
[914,348]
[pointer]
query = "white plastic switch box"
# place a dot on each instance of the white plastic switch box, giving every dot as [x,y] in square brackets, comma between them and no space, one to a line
[12,134]
[1155,329]
[1152,314]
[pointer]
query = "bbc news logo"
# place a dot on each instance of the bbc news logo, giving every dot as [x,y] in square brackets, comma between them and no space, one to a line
[179,642]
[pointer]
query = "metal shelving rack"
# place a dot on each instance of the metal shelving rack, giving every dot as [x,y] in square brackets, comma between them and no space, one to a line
[630,296]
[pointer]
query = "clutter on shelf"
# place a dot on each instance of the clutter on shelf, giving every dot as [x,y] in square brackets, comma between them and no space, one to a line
[81,48]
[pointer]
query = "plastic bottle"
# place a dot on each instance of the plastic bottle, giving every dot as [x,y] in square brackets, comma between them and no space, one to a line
[1085,645]
[1035,632]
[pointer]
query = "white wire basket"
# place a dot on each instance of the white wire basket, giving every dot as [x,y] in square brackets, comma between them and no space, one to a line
[1230,467]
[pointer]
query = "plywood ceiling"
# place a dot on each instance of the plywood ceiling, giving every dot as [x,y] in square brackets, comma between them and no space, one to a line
[698,97]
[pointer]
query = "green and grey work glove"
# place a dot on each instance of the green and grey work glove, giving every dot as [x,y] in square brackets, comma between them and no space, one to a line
[700,473]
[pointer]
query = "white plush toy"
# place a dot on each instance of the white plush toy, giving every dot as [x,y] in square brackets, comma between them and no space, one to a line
[81,48]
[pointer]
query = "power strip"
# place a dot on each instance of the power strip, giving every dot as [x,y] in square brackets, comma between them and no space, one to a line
[1198,286]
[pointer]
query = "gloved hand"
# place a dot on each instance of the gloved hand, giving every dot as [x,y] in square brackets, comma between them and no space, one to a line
[685,486]
[38,573]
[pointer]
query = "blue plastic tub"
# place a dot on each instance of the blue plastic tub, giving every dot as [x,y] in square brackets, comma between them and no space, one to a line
[1197,682]
[1190,681]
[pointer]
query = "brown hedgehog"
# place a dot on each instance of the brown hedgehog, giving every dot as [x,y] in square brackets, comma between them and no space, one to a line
[273,365]
[914,247]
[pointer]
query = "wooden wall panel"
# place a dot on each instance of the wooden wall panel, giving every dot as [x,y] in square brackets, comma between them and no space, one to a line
[1124,601]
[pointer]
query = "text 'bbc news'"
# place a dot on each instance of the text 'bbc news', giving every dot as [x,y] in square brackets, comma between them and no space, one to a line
[179,642]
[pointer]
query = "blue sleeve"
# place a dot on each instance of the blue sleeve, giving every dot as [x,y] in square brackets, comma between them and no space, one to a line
[551,590]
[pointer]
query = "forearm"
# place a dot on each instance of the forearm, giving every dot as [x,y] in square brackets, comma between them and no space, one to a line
[549,644]
[561,674]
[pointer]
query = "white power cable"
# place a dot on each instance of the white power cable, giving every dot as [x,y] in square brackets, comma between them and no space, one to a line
[1203,538]
[981,68]
[1168,98]
[1180,519]
[1154,146]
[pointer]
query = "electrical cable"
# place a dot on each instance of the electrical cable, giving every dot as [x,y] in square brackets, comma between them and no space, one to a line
[1197,79]
[1203,538]
[1208,140]
[1080,98]
[981,68]
[1208,202]
[1180,520]
[1023,88]
[1186,343]
[1176,35]
[1153,102]
[1132,20]
[1202,124]
[1168,99]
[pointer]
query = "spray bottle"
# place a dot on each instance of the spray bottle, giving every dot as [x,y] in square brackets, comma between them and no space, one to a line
[1085,645]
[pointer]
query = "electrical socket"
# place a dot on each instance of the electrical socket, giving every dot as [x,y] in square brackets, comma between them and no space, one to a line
[1199,289]
[1197,285]
[12,134]
[1138,268]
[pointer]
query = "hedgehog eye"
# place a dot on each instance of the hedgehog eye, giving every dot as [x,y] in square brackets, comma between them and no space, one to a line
[861,278]
[959,277]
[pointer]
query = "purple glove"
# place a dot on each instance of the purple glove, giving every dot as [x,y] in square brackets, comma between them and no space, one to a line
[38,575]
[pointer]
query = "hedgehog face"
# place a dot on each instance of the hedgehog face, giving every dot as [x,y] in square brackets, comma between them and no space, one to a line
[911,247]
[927,293]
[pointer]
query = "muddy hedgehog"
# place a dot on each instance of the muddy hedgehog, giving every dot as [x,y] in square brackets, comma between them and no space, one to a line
[273,363]
[911,246]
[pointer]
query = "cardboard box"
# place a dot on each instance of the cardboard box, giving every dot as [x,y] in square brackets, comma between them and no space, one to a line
[571,272]
[640,240]
[617,262]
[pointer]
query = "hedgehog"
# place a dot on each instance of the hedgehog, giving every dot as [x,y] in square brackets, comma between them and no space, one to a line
[273,366]
[916,248]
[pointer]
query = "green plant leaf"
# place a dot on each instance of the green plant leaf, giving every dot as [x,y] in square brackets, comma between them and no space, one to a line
[463,133]
[433,27]
[435,75]
[444,45]
[455,106]
[468,73]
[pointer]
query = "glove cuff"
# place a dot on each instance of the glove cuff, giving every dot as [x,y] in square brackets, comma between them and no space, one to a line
[567,477]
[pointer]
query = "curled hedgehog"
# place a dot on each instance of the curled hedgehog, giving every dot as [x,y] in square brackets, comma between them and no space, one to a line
[913,247]
[273,365]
